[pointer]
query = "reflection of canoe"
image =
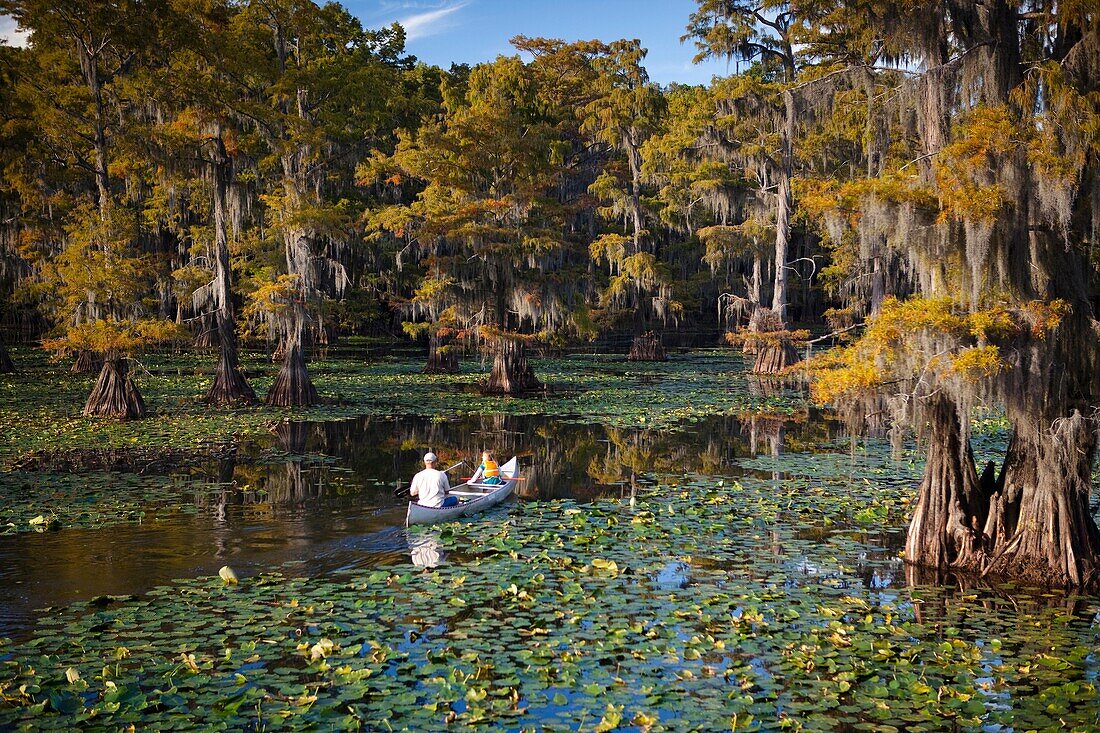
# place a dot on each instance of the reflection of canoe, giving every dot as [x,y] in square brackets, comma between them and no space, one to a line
[472,498]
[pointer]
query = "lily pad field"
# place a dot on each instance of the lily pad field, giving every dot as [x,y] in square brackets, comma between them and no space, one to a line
[691,550]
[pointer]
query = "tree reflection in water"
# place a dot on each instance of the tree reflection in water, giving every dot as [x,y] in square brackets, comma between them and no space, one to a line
[559,459]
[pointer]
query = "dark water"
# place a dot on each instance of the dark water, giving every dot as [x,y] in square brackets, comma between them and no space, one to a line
[318,497]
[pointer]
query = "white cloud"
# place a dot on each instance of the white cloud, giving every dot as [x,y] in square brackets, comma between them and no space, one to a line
[429,23]
[10,33]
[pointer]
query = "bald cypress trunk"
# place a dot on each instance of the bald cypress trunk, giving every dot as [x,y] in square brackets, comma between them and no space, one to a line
[773,353]
[442,358]
[647,347]
[87,362]
[784,207]
[1040,522]
[292,386]
[229,383]
[512,373]
[773,358]
[114,393]
[945,531]
[207,336]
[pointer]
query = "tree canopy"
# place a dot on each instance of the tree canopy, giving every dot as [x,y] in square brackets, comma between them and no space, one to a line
[920,176]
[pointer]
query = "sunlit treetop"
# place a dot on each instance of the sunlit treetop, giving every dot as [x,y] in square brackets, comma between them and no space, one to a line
[920,346]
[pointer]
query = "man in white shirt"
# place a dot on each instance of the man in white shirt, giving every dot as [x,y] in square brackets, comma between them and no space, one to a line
[430,486]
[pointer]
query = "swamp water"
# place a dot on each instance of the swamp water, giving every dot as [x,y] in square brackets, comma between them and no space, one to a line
[731,572]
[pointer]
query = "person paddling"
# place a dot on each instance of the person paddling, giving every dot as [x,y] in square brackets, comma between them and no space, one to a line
[431,485]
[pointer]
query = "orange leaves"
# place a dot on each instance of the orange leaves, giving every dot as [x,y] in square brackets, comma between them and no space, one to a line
[431,289]
[993,323]
[116,337]
[274,296]
[966,169]
[1045,317]
[831,385]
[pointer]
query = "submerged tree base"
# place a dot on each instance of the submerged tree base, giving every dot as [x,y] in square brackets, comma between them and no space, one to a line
[115,394]
[442,359]
[512,373]
[230,386]
[292,386]
[87,362]
[647,347]
[769,340]
[773,358]
[1031,524]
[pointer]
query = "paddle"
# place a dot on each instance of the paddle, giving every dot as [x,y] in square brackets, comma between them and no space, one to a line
[401,492]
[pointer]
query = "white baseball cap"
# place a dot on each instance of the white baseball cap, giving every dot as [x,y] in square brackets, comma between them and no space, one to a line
[430,457]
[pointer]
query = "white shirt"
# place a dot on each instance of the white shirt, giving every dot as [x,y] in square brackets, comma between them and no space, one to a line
[431,486]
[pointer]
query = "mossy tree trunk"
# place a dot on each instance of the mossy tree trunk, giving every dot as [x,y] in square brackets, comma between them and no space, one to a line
[945,530]
[512,373]
[784,206]
[229,384]
[442,358]
[773,358]
[773,353]
[292,386]
[1031,523]
[87,362]
[647,347]
[1040,522]
[207,335]
[114,393]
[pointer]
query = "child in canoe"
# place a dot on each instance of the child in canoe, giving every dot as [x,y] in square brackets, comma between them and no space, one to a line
[490,471]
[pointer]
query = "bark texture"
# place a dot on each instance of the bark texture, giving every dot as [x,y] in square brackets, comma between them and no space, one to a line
[87,362]
[512,373]
[775,353]
[229,384]
[292,386]
[206,337]
[946,527]
[647,347]
[1040,521]
[114,393]
[442,358]
[1031,522]
[773,358]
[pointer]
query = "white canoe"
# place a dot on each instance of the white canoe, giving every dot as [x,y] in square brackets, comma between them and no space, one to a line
[472,498]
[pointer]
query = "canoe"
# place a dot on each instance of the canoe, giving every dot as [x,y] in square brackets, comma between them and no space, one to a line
[472,498]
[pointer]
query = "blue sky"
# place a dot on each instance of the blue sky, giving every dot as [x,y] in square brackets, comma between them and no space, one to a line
[470,31]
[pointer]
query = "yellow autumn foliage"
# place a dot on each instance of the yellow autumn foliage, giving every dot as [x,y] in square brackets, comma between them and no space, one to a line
[977,363]
[116,337]
[895,345]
